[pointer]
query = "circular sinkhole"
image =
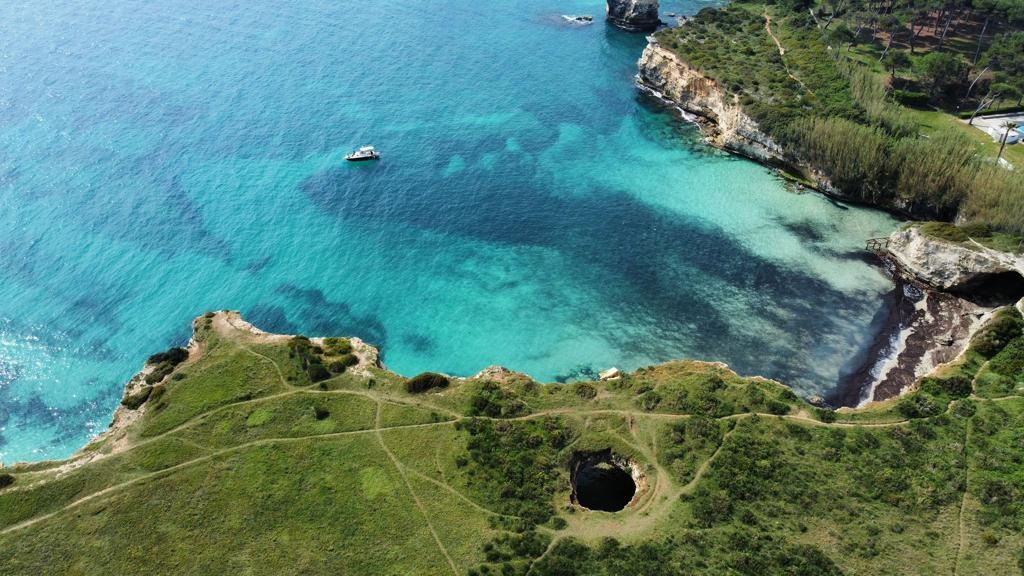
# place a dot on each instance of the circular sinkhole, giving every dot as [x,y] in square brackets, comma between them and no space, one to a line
[601,481]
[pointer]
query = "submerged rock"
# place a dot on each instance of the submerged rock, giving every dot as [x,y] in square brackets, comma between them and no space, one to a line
[634,15]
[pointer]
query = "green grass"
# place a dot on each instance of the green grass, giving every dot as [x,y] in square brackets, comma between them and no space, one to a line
[934,121]
[980,234]
[739,476]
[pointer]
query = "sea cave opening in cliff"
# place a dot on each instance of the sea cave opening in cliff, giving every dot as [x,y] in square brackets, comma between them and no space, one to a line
[996,289]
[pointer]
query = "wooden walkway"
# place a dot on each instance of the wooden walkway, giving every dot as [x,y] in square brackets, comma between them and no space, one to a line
[899,273]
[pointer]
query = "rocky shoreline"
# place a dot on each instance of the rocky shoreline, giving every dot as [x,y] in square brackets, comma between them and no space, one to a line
[943,291]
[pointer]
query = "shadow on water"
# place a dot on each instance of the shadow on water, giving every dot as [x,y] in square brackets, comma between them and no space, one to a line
[316,315]
[651,267]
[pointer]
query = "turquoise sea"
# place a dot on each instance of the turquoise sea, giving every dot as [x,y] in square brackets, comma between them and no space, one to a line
[161,159]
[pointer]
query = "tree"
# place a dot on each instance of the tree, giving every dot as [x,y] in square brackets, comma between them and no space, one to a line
[897,60]
[1006,56]
[997,91]
[941,70]
[1006,135]
[839,35]
[892,23]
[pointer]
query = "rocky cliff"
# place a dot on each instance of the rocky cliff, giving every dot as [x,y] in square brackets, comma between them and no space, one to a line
[724,123]
[634,15]
[955,267]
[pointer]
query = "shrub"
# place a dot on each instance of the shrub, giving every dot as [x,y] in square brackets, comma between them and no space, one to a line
[174,356]
[159,373]
[321,413]
[585,390]
[133,401]
[650,400]
[826,415]
[337,346]
[317,373]
[6,480]
[998,332]
[426,381]
[957,386]
[912,98]
[944,231]
[157,393]
[516,464]
[918,406]
[492,400]
[1010,361]
[341,364]
[777,407]
[165,363]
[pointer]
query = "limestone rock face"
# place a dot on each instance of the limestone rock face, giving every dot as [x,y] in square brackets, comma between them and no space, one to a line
[634,15]
[950,266]
[724,123]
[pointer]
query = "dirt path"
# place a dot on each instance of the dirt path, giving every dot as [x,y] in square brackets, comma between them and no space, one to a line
[415,497]
[205,458]
[782,52]
[962,528]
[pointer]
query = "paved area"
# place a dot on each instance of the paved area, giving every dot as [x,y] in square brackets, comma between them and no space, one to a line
[997,120]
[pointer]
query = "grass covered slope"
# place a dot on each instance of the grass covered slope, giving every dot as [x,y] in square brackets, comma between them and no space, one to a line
[242,464]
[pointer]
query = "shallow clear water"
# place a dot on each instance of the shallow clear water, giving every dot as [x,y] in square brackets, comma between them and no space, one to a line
[162,159]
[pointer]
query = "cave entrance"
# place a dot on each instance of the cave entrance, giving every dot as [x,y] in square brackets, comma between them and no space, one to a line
[601,481]
[994,289]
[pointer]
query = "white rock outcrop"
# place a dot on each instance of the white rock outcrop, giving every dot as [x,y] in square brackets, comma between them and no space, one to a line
[725,123]
[947,265]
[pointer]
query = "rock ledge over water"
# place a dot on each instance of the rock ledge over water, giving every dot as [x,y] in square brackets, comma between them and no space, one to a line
[634,15]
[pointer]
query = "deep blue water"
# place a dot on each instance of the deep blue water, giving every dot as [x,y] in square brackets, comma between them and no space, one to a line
[161,159]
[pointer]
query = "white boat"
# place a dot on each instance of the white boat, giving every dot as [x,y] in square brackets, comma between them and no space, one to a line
[363,153]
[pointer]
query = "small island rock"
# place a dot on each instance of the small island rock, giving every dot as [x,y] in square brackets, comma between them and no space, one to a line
[634,15]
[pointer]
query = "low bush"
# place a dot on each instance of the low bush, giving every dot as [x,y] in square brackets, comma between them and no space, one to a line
[1006,325]
[426,381]
[516,464]
[337,346]
[175,356]
[341,364]
[956,386]
[911,98]
[159,373]
[6,480]
[1010,361]
[944,231]
[317,373]
[585,390]
[490,399]
[133,401]
[918,406]
[321,413]
[826,415]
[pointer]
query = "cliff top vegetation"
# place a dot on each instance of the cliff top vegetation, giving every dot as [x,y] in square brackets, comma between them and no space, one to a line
[829,81]
[242,463]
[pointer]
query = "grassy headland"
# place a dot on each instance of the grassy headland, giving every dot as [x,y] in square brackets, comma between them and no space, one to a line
[243,464]
[792,67]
